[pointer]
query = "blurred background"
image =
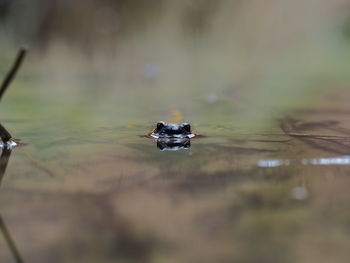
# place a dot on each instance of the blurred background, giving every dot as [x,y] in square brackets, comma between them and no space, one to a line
[254,58]
[267,83]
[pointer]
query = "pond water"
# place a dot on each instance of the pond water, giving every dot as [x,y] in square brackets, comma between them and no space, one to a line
[84,189]
[268,180]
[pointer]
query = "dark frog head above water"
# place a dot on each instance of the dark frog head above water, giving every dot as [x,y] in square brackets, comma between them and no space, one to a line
[165,130]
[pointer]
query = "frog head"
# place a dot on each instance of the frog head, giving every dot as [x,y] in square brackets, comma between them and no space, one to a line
[165,130]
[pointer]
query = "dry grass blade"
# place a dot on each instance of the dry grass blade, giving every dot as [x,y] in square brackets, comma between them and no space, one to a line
[12,73]
[4,134]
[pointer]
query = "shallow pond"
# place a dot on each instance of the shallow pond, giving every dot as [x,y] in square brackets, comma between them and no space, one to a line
[84,189]
[267,182]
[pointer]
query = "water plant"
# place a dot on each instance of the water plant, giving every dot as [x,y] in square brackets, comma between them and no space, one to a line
[4,134]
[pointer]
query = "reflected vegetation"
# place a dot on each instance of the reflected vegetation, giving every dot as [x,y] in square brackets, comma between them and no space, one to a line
[6,145]
[341,160]
[4,158]
[115,196]
[11,244]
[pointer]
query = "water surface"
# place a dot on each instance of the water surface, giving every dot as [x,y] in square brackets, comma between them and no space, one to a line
[101,193]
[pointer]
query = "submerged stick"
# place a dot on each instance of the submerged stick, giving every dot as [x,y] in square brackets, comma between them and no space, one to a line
[4,159]
[12,73]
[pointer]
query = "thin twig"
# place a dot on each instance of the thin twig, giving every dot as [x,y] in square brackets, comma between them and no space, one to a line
[12,73]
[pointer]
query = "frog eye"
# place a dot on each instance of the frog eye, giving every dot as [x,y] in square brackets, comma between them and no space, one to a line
[186,127]
[160,125]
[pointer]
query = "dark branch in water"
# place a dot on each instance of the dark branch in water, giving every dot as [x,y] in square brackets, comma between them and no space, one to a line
[12,73]
[4,134]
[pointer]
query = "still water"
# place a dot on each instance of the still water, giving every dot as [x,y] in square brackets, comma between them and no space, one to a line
[265,85]
[87,187]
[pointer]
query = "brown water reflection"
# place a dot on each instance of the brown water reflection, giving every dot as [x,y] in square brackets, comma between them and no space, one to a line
[126,201]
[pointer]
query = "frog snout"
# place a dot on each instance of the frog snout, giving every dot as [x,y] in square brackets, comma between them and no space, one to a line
[165,130]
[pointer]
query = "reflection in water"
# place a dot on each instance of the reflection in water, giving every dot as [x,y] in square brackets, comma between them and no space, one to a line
[7,145]
[116,198]
[341,160]
[172,137]
[166,130]
[9,241]
[315,134]
[4,158]
[299,193]
[165,144]
[4,134]
[272,163]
